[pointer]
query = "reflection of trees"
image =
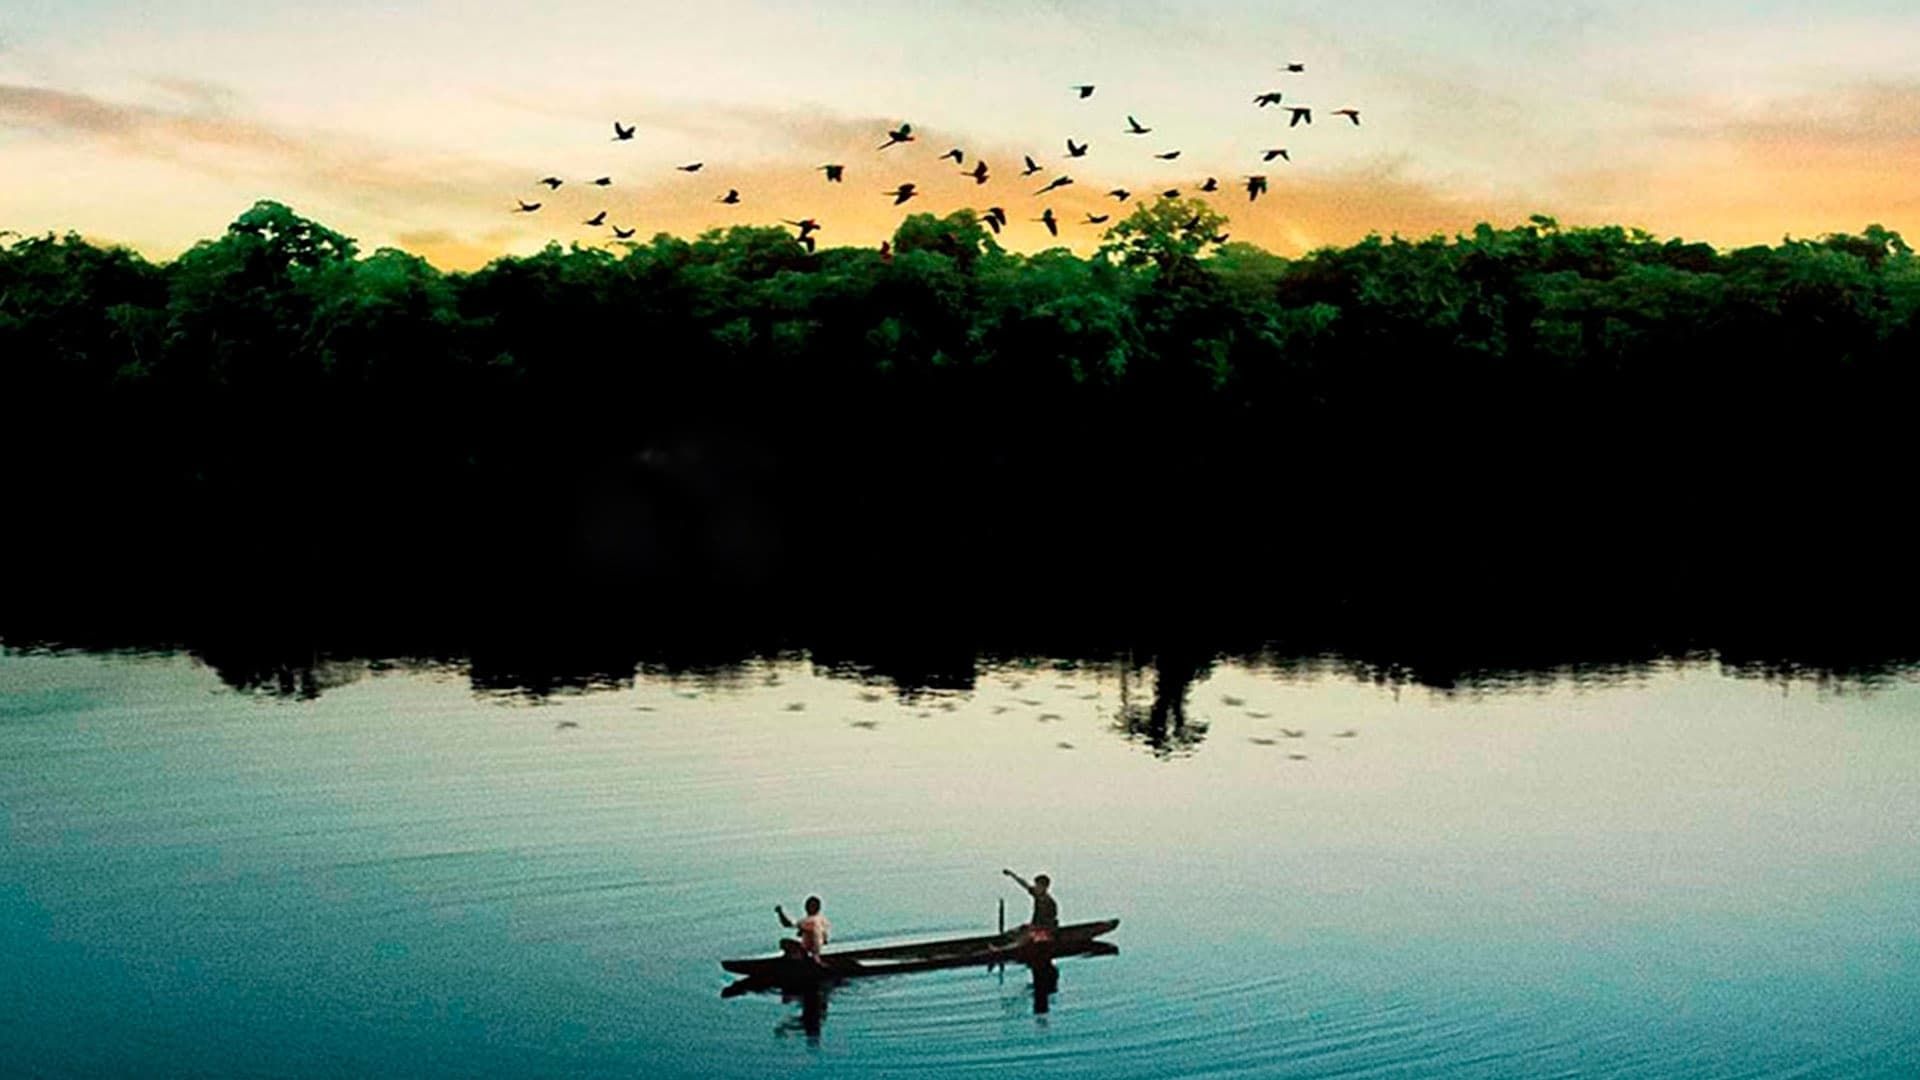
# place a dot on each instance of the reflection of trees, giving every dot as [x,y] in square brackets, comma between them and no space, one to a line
[1162,723]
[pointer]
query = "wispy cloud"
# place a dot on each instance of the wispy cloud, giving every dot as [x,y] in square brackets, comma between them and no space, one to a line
[203,127]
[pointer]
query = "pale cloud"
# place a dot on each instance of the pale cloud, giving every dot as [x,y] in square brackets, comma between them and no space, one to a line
[1736,174]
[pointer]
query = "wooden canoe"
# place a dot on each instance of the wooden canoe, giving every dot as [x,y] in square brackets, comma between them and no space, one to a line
[1073,940]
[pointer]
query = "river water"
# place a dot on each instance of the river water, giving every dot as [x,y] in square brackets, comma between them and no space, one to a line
[1677,872]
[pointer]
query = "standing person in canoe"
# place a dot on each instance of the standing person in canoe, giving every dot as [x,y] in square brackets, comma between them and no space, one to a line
[813,931]
[1046,911]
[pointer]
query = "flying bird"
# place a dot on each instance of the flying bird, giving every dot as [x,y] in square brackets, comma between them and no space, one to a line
[1218,238]
[834,172]
[901,134]
[996,218]
[1076,150]
[979,172]
[1121,194]
[1085,91]
[1271,97]
[597,219]
[955,153]
[1211,185]
[992,222]
[621,134]
[602,181]
[1134,128]
[902,193]
[1295,67]
[1046,218]
[1256,187]
[1096,219]
[1190,224]
[1351,114]
[1168,156]
[621,233]
[731,198]
[805,225]
[1277,152]
[1058,182]
[526,207]
[692,167]
[1170,193]
[1300,113]
[1032,165]
[553,182]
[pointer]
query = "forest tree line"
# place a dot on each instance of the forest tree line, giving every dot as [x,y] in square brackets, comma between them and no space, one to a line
[1451,405]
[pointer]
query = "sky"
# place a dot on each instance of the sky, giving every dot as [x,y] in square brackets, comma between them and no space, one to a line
[419,124]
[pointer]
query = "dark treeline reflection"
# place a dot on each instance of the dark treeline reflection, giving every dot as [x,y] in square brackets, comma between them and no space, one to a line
[1446,461]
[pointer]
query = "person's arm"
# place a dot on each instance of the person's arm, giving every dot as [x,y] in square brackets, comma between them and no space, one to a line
[784,921]
[1018,880]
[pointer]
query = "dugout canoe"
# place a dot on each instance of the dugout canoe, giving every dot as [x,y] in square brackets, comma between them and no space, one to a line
[1073,940]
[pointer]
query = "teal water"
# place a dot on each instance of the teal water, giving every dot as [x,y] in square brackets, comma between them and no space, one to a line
[1681,874]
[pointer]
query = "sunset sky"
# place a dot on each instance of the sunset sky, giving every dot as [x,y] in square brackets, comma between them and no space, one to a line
[418,124]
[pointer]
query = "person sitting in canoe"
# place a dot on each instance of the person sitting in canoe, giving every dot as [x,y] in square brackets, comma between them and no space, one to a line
[1046,911]
[813,931]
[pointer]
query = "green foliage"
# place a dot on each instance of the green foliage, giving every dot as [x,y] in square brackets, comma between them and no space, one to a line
[1166,233]
[1163,325]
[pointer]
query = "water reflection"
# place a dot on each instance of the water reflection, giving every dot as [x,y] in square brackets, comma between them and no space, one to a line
[1162,723]
[568,651]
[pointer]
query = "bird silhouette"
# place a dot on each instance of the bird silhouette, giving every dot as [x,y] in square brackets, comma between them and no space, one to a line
[1211,185]
[731,198]
[1256,187]
[553,182]
[1134,128]
[805,225]
[1351,114]
[1032,165]
[1277,152]
[886,251]
[1076,149]
[1190,224]
[1096,219]
[1295,67]
[1168,156]
[902,193]
[1170,193]
[597,219]
[621,134]
[1271,97]
[690,167]
[1086,91]
[1120,194]
[958,157]
[996,218]
[1058,182]
[526,207]
[992,222]
[979,172]
[602,181]
[622,234]
[834,172]
[1046,218]
[1218,238]
[901,134]
[1299,114]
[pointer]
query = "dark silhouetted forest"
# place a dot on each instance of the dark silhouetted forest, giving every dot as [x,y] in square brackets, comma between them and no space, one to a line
[1556,440]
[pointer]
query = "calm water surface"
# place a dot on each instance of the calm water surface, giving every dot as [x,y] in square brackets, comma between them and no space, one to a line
[1683,874]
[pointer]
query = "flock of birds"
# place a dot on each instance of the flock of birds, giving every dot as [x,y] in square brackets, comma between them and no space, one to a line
[994,217]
